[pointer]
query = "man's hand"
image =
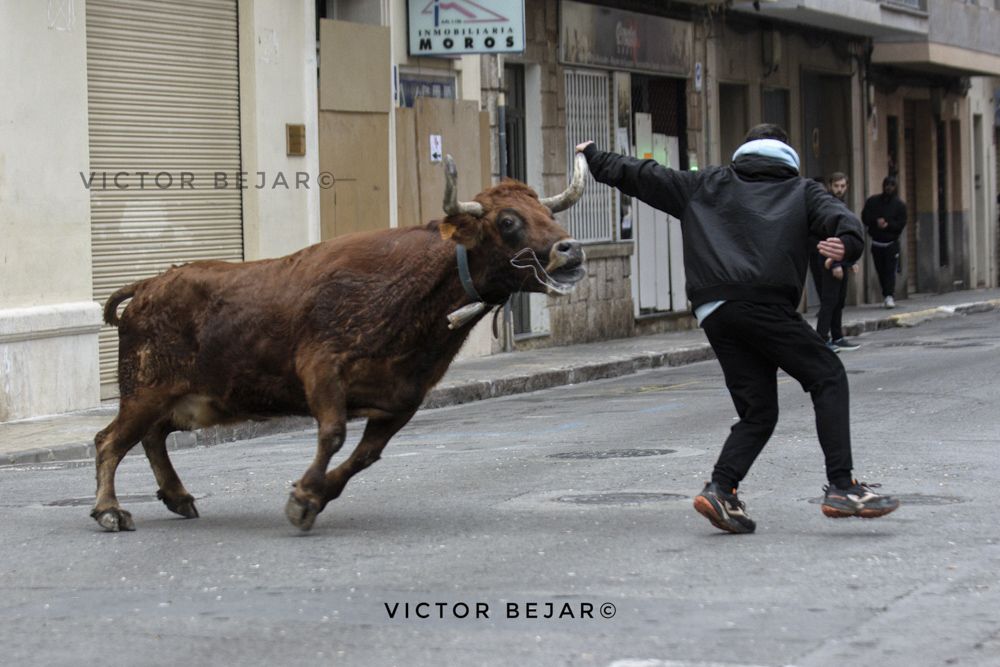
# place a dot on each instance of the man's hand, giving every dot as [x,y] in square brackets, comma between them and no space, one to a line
[831,248]
[838,272]
[581,147]
[882,224]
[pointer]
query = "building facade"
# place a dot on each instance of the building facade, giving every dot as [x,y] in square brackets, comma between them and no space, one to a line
[115,119]
[118,118]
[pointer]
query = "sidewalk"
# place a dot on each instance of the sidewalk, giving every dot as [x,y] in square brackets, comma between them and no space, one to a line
[70,436]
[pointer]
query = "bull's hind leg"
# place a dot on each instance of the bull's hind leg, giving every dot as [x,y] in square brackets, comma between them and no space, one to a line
[171,491]
[378,432]
[135,417]
[328,405]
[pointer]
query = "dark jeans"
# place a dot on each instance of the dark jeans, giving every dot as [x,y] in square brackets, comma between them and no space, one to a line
[832,297]
[829,320]
[886,262]
[752,341]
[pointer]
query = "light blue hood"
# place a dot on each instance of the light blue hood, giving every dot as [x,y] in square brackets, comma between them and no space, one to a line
[770,148]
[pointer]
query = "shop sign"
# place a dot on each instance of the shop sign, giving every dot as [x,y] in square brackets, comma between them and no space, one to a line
[462,27]
[597,36]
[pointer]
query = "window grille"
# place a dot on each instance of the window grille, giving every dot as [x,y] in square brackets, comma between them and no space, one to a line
[588,117]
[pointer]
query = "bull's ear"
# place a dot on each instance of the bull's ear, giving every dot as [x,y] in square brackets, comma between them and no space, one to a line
[462,230]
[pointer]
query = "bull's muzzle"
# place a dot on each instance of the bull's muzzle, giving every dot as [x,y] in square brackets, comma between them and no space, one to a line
[565,254]
[565,269]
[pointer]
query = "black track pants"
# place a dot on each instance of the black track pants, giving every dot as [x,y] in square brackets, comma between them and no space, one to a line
[752,341]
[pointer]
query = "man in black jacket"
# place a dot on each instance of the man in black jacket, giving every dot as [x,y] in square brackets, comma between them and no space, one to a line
[885,216]
[745,231]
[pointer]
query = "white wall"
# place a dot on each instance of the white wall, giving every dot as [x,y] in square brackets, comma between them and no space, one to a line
[277,86]
[44,208]
[982,221]
[48,323]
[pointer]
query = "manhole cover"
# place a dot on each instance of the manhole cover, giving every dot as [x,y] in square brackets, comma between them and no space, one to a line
[621,498]
[613,454]
[127,499]
[915,499]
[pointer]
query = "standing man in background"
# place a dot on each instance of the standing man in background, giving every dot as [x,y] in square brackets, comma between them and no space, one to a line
[885,216]
[832,283]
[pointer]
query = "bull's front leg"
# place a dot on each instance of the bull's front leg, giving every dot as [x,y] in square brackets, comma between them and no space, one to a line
[378,432]
[328,404]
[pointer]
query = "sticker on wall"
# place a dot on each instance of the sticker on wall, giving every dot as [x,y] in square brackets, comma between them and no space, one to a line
[61,15]
[436,154]
[267,40]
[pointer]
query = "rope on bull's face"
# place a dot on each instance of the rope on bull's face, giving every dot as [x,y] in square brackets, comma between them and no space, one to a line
[527,259]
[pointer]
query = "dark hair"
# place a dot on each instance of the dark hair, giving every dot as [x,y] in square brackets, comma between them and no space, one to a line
[837,176]
[766,131]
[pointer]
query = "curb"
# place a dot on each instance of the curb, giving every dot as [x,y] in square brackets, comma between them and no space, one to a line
[439,397]
[467,392]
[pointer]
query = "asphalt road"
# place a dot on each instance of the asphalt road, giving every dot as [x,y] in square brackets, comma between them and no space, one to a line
[578,498]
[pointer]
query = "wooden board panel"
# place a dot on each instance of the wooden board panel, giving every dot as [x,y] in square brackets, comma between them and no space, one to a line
[354,147]
[355,72]
[407,180]
[458,123]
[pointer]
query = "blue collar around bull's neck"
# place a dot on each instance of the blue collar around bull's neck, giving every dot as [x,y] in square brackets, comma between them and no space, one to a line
[462,255]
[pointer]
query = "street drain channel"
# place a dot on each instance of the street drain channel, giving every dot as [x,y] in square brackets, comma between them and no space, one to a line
[914,499]
[612,454]
[127,499]
[48,465]
[939,344]
[620,498]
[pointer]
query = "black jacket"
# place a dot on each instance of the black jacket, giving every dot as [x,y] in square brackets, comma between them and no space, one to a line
[892,209]
[745,227]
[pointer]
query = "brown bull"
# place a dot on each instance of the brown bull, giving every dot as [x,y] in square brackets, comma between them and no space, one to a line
[361,326]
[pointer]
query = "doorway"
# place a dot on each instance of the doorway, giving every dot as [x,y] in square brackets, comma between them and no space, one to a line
[659,131]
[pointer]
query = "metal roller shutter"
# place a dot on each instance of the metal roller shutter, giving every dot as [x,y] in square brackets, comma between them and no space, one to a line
[163,88]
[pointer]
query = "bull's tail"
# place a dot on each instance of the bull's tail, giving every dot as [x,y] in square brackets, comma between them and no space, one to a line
[111,306]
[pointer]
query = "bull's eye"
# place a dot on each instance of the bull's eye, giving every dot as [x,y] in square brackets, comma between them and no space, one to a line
[511,227]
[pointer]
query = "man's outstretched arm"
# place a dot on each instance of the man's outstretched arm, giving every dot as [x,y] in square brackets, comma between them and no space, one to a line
[662,188]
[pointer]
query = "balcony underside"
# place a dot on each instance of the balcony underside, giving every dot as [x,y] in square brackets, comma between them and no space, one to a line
[866,19]
[934,58]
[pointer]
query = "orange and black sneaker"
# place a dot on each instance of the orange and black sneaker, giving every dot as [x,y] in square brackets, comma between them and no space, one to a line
[857,500]
[724,510]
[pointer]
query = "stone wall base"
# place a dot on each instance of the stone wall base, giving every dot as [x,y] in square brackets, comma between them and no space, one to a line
[49,359]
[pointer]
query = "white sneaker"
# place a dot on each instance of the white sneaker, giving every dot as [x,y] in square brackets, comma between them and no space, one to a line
[889,302]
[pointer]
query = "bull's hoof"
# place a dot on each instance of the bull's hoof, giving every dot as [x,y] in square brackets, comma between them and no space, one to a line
[301,513]
[183,505]
[113,520]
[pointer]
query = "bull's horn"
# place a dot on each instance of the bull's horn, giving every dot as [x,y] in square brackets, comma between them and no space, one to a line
[572,194]
[451,204]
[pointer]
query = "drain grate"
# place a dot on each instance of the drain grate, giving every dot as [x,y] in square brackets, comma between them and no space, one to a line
[612,454]
[915,499]
[620,498]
